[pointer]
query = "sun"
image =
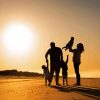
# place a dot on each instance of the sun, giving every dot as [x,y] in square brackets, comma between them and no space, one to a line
[18,38]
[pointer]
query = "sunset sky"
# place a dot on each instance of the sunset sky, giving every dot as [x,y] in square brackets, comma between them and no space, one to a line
[46,21]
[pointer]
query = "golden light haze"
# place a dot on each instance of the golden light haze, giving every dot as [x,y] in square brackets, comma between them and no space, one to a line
[57,21]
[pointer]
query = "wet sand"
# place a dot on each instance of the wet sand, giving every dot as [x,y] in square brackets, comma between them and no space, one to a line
[34,89]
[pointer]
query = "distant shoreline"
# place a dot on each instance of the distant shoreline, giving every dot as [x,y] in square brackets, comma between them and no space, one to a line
[41,76]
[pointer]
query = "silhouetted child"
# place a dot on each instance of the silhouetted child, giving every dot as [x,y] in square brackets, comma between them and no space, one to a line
[64,71]
[69,44]
[46,74]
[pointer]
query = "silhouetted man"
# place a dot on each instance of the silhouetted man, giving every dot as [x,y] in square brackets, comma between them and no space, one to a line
[55,60]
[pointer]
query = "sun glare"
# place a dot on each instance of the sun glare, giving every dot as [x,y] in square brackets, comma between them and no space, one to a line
[18,38]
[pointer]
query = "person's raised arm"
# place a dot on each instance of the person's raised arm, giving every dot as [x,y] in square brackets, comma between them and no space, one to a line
[67,59]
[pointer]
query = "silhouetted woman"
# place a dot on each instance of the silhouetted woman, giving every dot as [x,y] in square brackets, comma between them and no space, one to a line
[77,60]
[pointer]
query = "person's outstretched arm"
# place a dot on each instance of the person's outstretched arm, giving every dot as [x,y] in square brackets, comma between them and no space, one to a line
[64,47]
[67,59]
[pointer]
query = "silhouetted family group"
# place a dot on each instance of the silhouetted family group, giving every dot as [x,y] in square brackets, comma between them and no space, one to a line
[57,62]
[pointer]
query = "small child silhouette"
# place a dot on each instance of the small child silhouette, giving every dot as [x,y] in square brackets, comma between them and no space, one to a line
[46,74]
[69,44]
[64,71]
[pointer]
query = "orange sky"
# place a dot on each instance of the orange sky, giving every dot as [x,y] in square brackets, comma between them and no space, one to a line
[54,20]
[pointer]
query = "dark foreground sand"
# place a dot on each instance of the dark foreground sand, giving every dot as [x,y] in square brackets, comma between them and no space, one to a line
[34,89]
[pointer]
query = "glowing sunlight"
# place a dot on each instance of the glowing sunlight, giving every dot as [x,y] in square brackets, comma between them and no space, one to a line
[18,39]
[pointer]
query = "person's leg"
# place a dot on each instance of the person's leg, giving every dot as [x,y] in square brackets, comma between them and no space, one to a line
[63,79]
[76,67]
[67,78]
[66,81]
[51,74]
[57,75]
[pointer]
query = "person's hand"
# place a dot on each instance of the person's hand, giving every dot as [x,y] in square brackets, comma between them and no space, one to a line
[62,48]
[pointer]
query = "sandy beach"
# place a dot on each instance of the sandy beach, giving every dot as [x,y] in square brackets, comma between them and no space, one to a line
[34,89]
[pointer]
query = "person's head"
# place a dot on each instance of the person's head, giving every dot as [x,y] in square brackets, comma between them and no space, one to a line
[72,38]
[44,67]
[52,44]
[80,47]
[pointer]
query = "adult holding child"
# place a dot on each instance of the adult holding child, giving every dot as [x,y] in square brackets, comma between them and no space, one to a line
[56,57]
[77,60]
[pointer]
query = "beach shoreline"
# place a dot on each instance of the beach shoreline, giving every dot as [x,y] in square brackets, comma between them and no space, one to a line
[33,88]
